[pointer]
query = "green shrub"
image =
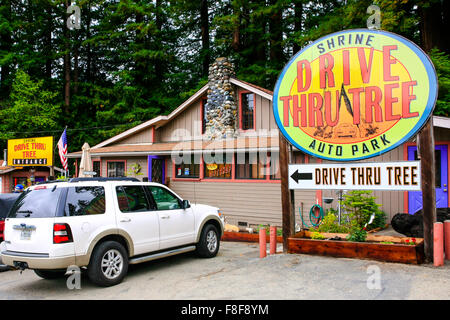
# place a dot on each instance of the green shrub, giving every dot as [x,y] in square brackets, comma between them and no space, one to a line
[379,221]
[317,236]
[267,227]
[360,205]
[330,224]
[357,235]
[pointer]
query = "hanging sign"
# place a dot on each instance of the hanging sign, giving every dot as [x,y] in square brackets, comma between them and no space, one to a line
[401,175]
[30,152]
[354,95]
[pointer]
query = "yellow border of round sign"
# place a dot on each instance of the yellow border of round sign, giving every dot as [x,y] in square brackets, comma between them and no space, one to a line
[407,44]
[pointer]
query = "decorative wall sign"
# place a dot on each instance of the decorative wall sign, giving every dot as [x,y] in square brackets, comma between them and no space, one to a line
[30,152]
[355,94]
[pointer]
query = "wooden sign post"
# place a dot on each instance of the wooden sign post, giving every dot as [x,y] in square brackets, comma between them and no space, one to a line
[286,195]
[426,153]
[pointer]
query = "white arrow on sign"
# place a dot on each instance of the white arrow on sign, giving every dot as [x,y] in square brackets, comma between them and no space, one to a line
[402,176]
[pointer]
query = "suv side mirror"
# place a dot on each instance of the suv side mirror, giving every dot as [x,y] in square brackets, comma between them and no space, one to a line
[186,204]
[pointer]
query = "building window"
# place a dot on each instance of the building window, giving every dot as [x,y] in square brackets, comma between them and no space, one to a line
[247,111]
[274,166]
[218,166]
[116,168]
[188,168]
[250,166]
[203,106]
[96,168]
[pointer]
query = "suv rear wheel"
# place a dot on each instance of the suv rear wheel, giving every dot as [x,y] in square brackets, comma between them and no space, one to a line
[109,264]
[209,243]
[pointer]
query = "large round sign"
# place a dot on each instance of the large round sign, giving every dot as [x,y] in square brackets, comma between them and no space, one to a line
[354,95]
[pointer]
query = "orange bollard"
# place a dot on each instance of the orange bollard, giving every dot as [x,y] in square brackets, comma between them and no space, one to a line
[447,239]
[262,243]
[438,244]
[273,240]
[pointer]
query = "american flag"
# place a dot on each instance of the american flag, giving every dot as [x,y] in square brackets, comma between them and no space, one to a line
[62,146]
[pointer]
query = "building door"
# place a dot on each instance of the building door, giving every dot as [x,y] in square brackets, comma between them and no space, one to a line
[156,169]
[441,164]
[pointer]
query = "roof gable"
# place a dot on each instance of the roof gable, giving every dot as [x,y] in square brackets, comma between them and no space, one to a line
[162,120]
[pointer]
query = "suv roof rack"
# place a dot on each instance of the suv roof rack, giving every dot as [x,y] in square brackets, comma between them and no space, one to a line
[100,179]
[52,181]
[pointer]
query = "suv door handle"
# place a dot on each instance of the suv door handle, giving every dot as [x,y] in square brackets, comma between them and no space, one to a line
[125,220]
[165,217]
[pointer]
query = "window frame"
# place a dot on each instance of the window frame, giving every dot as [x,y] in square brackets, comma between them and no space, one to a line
[100,166]
[205,169]
[190,177]
[203,102]
[118,160]
[258,164]
[241,119]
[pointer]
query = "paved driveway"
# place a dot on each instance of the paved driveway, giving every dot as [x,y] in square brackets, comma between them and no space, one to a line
[238,273]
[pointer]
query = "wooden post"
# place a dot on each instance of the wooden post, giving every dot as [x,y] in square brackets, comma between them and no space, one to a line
[447,239]
[426,153]
[273,240]
[286,204]
[262,243]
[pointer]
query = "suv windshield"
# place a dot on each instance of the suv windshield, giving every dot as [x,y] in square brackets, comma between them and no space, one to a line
[38,203]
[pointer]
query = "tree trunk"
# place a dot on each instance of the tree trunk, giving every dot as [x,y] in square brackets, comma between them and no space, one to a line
[298,19]
[5,45]
[48,42]
[75,63]
[204,21]
[275,39]
[236,42]
[88,49]
[159,68]
[432,26]
[67,67]
[276,33]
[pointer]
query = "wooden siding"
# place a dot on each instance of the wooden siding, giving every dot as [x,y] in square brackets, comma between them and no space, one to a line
[144,136]
[186,126]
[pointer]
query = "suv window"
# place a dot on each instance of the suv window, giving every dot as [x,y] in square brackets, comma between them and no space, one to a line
[132,199]
[164,199]
[83,201]
[38,203]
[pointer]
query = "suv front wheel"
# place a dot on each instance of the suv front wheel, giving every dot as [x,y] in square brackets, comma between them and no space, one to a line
[209,243]
[109,264]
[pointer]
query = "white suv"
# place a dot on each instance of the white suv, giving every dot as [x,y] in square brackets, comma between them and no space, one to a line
[104,225]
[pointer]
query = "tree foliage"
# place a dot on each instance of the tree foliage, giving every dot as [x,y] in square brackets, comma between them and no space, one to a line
[132,60]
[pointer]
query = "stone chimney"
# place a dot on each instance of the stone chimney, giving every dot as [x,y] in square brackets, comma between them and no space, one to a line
[221,108]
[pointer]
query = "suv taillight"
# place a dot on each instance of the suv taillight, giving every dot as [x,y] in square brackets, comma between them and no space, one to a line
[62,233]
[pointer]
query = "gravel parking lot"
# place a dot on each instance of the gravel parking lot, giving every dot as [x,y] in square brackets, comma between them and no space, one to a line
[238,273]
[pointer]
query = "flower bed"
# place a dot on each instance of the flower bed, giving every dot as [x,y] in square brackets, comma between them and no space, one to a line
[382,248]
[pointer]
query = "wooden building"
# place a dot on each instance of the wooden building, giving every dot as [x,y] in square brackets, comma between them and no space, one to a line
[246,184]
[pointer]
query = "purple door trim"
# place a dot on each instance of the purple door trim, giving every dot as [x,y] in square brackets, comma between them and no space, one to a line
[415,197]
[149,173]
